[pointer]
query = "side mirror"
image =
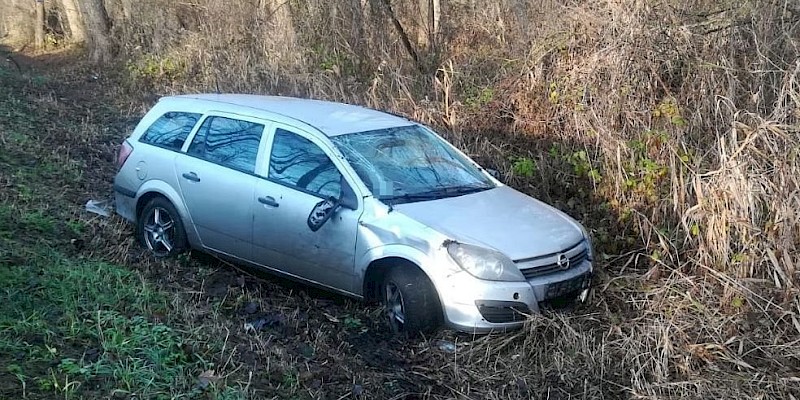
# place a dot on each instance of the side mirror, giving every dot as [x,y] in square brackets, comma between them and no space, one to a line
[324,210]
[321,213]
[494,173]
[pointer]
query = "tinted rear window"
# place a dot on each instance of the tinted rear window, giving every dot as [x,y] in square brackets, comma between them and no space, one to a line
[170,130]
[229,142]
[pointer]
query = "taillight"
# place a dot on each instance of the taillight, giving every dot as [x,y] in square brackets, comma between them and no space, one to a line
[125,151]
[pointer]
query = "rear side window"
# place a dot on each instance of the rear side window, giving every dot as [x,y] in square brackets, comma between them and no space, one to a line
[170,130]
[229,142]
[297,162]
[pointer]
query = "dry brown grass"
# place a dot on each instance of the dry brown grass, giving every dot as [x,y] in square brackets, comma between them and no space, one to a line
[671,128]
[688,114]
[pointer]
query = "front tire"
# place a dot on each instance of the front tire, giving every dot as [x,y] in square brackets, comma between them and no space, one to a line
[411,302]
[160,229]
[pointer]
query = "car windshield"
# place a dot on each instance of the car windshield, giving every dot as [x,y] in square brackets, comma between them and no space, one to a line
[410,163]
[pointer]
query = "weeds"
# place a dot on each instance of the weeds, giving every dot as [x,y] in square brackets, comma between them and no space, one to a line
[523,167]
[154,69]
[657,125]
[670,130]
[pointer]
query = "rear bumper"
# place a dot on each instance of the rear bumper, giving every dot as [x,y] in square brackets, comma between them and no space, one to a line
[501,306]
[125,203]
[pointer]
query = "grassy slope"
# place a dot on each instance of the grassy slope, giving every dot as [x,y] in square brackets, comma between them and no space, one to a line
[71,324]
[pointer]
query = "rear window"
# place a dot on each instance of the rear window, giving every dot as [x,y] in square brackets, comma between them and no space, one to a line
[170,130]
[229,142]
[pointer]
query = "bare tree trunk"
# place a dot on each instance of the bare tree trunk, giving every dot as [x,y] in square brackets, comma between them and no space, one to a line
[282,36]
[3,27]
[430,17]
[77,32]
[436,16]
[17,21]
[422,26]
[97,27]
[38,28]
[403,36]
[126,8]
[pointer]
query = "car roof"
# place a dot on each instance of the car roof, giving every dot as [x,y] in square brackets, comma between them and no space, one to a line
[330,118]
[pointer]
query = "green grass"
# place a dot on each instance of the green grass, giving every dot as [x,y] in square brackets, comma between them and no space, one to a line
[38,222]
[72,325]
[87,328]
[82,328]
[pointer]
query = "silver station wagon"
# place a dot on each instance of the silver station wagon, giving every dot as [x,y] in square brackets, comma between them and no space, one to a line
[357,201]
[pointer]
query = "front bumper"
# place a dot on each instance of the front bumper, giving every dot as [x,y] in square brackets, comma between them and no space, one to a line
[476,306]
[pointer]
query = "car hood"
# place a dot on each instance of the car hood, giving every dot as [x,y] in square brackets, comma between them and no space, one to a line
[501,218]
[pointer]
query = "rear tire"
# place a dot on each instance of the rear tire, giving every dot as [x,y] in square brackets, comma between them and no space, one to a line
[160,229]
[412,304]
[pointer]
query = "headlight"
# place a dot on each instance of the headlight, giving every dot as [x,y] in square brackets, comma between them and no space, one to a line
[484,263]
[589,248]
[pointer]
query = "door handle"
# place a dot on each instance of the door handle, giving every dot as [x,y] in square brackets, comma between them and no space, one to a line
[191,176]
[268,200]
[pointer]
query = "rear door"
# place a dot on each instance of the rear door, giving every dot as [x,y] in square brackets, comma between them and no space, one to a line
[300,174]
[217,179]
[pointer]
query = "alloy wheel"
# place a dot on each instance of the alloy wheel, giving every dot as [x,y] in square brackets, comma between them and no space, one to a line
[395,307]
[159,232]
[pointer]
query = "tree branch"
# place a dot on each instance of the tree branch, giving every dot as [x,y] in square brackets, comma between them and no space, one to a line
[403,36]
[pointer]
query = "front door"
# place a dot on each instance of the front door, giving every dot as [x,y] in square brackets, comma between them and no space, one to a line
[301,174]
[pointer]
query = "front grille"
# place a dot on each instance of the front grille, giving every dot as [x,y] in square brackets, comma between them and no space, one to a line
[502,311]
[548,264]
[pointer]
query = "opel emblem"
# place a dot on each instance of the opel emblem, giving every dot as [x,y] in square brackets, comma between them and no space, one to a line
[562,261]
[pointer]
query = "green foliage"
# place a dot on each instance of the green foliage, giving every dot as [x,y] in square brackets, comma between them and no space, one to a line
[289,379]
[477,98]
[567,92]
[353,322]
[39,80]
[77,227]
[18,138]
[6,221]
[737,302]
[523,167]
[579,161]
[669,110]
[553,93]
[228,393]
[333,60]
[154,68]
[645,173]
[582,166]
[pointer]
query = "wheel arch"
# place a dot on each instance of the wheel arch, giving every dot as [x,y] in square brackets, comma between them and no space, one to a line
[379,260]
[152,189]
[376,272]
[427,318]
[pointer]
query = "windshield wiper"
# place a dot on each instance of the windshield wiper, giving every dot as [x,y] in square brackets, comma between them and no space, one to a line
[466,189]
[411,197]
[440,193]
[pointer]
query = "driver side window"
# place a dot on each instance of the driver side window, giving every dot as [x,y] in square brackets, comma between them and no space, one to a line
[297,162]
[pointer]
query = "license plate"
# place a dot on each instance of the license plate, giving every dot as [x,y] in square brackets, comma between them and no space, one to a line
[558,289]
